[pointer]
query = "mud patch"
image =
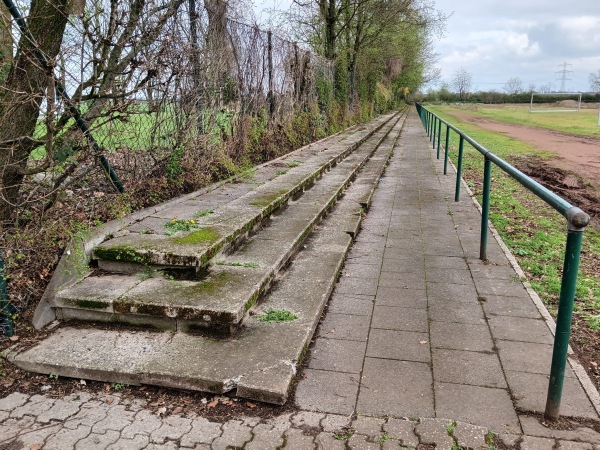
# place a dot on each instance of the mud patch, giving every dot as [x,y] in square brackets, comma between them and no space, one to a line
[569,185]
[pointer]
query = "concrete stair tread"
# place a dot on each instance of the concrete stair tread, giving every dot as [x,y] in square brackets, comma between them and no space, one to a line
[215,231]
[221,297]
[233,286]
[259,363]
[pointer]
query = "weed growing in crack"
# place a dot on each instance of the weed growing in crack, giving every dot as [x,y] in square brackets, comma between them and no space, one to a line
[344,434]
[176,225]
[277,316]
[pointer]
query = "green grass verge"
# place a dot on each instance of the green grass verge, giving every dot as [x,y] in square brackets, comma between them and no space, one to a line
[533,231]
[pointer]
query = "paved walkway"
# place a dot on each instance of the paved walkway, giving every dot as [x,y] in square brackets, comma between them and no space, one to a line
[422,344]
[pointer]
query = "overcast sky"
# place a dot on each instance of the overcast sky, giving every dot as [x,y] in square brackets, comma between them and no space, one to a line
[496,40]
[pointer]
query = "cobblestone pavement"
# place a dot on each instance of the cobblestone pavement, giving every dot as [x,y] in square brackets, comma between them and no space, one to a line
[110,422]
[422,345]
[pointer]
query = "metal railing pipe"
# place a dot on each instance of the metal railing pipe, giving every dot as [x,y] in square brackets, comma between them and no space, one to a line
[435,127]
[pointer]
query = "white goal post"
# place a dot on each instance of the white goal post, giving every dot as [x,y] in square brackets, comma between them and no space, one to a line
[552,99]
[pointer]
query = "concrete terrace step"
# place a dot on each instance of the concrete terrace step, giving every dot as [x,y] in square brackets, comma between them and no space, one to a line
[146,243]
[219,302]
[260,362]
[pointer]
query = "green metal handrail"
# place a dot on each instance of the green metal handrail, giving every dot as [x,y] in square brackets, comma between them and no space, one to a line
[577,221]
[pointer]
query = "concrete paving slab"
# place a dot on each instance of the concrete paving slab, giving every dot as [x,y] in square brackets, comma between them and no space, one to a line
[402,298]
[440,292]
[445,262]
[472,404]
[520,329]
[466,367]
[396,388]
[359,305]
[401,280]
[345,326]
[453,276]
[400,345]
[402,319]
[527,357]
[458,312]
[360,286]
[357,270]
[326,391]
[530,391]
[532,426]
[404,265]
[509,306]
[460,336]
[337,355]
[500,286]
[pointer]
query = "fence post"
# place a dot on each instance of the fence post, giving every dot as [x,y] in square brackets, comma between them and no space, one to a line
[446,149]
[577,221]
[459,168]
[6,309]
[485,208]
[270,98]
[433,131]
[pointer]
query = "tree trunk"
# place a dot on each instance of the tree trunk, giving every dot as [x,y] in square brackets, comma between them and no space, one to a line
[24,90]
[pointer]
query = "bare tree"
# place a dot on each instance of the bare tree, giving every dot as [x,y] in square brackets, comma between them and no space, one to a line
[513,86]
[545,88]
[594,80]
[461,83]
[22,95]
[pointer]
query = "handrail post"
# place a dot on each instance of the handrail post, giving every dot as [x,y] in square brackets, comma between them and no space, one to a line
[428,125]
[485,208]
[447,149]
[577,221]
[439,134]
[435,126]
[459,168]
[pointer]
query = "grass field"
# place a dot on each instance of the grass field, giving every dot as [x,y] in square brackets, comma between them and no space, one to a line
[584,122]
[533,231]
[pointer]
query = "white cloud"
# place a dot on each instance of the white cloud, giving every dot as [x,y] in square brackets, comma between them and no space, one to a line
[582,32]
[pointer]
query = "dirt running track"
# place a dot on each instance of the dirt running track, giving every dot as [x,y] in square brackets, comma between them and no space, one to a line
[578,155]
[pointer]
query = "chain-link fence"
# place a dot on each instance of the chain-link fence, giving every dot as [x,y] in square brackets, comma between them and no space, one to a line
[150,79]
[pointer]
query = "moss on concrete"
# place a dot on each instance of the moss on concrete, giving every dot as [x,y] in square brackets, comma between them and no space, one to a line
[267,199]
[120,253]
[204,236]
[208,286]
[91,304]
